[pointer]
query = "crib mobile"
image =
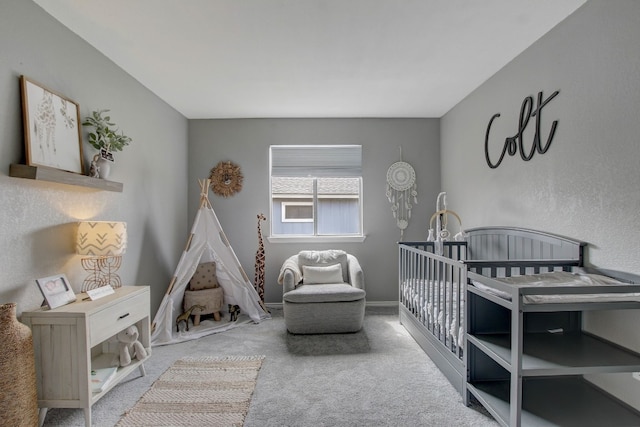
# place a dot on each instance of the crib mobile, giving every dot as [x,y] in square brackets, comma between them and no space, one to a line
[441,233]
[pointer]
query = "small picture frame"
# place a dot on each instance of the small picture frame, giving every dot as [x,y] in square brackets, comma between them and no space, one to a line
[52,131]
[106,154]
[56,290]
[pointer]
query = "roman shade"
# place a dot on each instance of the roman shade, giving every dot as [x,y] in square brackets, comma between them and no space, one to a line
[316,160]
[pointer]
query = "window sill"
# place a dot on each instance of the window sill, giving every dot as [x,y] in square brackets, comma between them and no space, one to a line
[316,239]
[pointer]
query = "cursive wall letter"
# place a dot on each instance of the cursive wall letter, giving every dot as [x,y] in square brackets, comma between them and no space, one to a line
[515,143]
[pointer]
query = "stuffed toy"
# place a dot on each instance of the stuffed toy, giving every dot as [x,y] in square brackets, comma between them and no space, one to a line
[234,310]
[129,346]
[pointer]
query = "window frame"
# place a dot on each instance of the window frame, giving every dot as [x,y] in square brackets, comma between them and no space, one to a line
[283,215]
[315,237]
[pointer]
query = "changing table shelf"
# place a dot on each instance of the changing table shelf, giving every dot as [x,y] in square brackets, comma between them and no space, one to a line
[545,403]
[526,363]
[572,353]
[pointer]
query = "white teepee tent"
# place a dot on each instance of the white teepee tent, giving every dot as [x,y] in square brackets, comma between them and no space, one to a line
[207,242]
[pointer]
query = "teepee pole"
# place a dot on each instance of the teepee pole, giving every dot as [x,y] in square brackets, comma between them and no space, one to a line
[204,193]
[173,282]
[204,201]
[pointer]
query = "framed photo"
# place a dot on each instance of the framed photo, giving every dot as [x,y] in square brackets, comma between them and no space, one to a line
[52,133]
[106,155]
[56,290]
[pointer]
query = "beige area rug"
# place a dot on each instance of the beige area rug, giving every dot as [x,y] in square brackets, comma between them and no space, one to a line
[198,391]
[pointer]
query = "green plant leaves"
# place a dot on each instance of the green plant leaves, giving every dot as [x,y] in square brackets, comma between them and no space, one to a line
[106,135]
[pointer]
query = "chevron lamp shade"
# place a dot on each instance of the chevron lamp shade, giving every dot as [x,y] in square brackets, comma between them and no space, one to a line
[101,238]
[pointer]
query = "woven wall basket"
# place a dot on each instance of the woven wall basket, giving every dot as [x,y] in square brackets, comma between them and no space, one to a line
[18,393]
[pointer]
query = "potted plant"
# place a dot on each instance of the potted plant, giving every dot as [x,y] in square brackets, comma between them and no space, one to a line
[106,138]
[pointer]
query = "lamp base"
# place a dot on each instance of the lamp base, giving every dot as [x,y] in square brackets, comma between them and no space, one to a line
[102,272]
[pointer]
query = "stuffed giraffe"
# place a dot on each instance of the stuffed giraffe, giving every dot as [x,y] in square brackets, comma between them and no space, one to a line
[184,317]
[260,260]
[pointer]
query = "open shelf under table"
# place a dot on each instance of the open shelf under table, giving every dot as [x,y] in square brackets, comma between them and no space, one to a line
[560,401]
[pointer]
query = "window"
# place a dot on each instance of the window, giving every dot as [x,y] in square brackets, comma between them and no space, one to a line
[316,190]
[297,211]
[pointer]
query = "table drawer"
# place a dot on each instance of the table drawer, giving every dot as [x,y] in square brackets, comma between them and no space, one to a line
[112,319]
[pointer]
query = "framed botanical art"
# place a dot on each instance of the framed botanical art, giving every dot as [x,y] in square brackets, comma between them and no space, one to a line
[52,133]
[56,290]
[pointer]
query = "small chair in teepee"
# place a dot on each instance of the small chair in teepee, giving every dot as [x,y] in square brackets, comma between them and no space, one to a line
[204,291]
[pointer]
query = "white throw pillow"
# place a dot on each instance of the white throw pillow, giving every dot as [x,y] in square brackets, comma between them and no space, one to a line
[315,274]
[325,258]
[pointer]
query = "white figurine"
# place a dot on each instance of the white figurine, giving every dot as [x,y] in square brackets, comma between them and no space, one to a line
[94,171]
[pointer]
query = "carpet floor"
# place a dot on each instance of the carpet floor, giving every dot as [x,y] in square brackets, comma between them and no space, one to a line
[378,376]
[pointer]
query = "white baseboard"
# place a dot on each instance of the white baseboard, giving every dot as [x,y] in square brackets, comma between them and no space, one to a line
[278,305]
[382,303]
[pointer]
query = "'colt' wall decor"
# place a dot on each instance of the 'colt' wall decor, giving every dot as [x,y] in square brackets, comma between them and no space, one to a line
[515,143]
[51,128]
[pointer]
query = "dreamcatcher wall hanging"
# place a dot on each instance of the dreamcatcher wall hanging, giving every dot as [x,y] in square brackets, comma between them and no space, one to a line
[401,191]
[226,179]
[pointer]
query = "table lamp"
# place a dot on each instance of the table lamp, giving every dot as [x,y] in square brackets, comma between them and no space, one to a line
[103,243]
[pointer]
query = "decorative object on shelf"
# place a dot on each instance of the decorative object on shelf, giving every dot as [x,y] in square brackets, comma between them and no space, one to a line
[514,143]
[94,170]
[104,243]
[97,293]
[102,377]
[226,179]
[104,162]
[56,290]
[129,347]
[441,233]
[51,132]
[106,138]
[19,398]
[258,282]
[401,190]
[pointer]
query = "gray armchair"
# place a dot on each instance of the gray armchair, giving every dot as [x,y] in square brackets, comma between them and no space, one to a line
[323,292]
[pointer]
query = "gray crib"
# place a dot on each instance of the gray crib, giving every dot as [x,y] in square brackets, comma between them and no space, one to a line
[497,348]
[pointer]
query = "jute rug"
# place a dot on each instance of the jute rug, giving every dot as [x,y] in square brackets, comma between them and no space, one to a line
[198,391]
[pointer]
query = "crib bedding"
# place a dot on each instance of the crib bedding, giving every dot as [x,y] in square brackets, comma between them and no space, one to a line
[439,308]
[439,303]
[561,279]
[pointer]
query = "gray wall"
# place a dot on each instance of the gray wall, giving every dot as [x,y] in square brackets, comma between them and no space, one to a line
[37,228]
[246,142]
[587,185]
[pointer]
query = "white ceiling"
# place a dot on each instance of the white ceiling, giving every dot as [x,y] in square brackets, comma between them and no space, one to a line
[310,58]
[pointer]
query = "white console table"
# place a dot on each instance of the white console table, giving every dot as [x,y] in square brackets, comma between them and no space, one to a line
[69,340]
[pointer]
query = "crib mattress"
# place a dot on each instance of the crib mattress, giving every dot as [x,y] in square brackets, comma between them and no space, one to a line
[561,279]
